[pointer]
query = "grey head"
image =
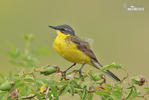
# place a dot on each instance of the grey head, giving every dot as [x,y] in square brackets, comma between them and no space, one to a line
[65,29]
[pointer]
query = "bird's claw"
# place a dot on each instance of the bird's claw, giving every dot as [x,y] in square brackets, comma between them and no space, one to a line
[64,75]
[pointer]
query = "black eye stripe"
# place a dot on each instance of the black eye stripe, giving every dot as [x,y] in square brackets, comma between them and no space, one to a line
[67,30]
[62,29]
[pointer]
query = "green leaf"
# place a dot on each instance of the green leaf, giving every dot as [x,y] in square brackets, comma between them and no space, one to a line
[38,95]
[133,93]
[95,76]
[17,63]
[14,52]
[2,78]
[29,59]
[75,83]
[4,95]
[62,83]
[38,84]
[116,95]
[26,90]
[84,94]
[103,93]
[72,89]
[107,67]
[108,87]
[63,90]
[19,83]
[147,89]
[80,93]
[90,96]
[6,86]
[28,79]
[54,89]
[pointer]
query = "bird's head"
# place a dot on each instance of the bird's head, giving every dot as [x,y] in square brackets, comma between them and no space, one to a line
[65,29]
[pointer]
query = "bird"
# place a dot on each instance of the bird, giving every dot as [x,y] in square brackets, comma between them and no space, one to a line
[75,49]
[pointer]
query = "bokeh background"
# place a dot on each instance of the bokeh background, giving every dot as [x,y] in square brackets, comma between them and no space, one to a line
[116,35]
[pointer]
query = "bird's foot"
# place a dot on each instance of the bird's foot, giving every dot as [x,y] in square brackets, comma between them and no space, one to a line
[64,75]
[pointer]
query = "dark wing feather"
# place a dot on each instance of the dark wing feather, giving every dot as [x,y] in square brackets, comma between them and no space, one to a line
[84,47]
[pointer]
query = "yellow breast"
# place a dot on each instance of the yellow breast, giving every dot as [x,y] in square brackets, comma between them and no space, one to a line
[68,49]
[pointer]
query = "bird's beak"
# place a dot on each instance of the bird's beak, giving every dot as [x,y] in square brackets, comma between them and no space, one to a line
[53,27]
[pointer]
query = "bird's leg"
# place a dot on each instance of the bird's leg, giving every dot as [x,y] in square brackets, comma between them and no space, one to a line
[80,70]
[64,72]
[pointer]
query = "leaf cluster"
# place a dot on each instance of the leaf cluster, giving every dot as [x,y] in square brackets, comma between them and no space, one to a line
[47,82]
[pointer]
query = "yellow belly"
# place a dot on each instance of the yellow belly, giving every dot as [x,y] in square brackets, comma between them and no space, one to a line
[69,51]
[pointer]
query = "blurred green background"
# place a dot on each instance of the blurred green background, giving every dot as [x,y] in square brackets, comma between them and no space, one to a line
[117,35]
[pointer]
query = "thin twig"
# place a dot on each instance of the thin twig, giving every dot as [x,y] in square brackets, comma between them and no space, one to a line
[29,97]
[46,94]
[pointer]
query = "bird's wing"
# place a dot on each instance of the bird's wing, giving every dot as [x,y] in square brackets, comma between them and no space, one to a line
[84,47]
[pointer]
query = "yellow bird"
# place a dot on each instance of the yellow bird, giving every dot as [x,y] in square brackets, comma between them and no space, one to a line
[75,50]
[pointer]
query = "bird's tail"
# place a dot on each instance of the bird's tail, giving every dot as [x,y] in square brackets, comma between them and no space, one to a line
[107,72]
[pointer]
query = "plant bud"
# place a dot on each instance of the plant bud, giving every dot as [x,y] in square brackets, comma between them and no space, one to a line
[139,80]
[49,70]
[28,37]
[6,86]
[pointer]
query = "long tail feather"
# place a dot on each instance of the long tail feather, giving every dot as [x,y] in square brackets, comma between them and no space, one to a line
[110,74]
[107,72]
